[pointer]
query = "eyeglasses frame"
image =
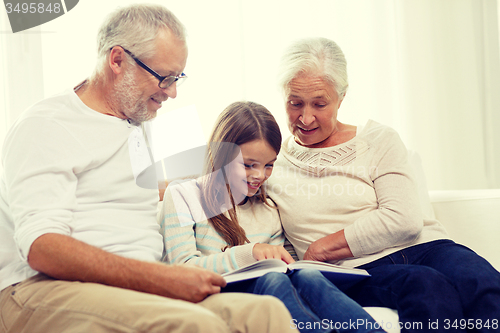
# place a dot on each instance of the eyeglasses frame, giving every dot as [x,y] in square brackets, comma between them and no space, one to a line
[152,72]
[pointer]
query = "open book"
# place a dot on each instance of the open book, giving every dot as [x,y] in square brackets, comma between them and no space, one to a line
[334,273]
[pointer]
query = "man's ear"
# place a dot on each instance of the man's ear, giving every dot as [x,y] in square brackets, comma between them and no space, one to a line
[116,60]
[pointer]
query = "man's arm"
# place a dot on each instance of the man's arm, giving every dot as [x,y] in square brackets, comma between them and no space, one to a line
[63,257]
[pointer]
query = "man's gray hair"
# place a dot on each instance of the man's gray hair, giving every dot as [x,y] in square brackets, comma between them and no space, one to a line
[315,56]
[135,28]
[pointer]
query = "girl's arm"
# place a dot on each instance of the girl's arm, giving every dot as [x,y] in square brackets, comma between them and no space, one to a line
[189,238]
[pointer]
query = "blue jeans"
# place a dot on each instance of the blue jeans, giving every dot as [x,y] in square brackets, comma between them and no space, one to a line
[315,303]
[444,286]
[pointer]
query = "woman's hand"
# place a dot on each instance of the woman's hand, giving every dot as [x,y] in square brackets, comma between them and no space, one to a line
[331,247]
[266,251]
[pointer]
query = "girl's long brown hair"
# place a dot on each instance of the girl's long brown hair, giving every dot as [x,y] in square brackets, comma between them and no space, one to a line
[239,123]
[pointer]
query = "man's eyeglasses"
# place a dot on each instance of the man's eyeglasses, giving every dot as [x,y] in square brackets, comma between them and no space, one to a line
[164,81]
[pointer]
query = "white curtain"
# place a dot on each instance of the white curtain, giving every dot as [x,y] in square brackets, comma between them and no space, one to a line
[428,68]
[449,79]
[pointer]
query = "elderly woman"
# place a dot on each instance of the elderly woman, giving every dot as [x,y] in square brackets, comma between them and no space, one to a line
[346,196]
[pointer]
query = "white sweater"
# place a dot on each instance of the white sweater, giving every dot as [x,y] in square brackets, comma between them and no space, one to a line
[190,238]
[363,186]
[67,169]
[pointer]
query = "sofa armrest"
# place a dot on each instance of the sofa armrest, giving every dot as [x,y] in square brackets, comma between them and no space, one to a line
[472,218]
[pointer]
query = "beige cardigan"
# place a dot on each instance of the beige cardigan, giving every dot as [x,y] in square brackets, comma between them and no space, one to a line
[364,186]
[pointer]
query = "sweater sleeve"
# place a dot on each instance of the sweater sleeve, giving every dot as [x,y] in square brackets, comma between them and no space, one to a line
[278,238]
[190,238]
[398,218]
[39,162]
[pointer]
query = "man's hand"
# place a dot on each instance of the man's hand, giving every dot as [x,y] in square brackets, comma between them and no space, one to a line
[266,251]
[188,282]
[65,258]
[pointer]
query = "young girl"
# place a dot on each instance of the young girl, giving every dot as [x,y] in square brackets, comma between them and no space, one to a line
[224,220]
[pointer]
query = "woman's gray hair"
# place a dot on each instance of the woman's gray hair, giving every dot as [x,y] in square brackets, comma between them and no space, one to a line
[314,56]
[135,28]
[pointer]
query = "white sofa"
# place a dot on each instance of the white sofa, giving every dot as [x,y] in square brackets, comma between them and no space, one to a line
[471,218]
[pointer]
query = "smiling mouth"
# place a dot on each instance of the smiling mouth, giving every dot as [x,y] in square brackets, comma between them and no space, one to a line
[253,185]
[158,101]
[307,131]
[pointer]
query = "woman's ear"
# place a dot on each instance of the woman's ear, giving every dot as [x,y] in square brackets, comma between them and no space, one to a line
[341,100]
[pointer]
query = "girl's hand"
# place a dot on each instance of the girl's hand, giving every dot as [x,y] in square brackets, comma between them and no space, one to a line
[266,251]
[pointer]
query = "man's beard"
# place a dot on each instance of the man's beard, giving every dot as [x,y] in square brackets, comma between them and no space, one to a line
[127,98]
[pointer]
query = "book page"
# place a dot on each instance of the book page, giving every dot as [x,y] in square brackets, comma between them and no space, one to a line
[323,266]
[256,269]
[334,273]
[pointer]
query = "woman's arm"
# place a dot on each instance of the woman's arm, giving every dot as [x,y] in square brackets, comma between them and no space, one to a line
[397,219]
[328,248]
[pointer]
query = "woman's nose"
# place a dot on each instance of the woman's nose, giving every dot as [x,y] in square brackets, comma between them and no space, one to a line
[307,116]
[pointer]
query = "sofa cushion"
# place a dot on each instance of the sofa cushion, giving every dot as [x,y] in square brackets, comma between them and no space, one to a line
[472,218]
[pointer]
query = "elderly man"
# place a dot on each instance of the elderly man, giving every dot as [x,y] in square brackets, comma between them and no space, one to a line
[79,239]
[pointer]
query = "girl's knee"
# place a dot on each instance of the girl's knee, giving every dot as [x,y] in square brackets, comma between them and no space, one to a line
[311,277]
[273,284]
[308,274]
[273,277]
